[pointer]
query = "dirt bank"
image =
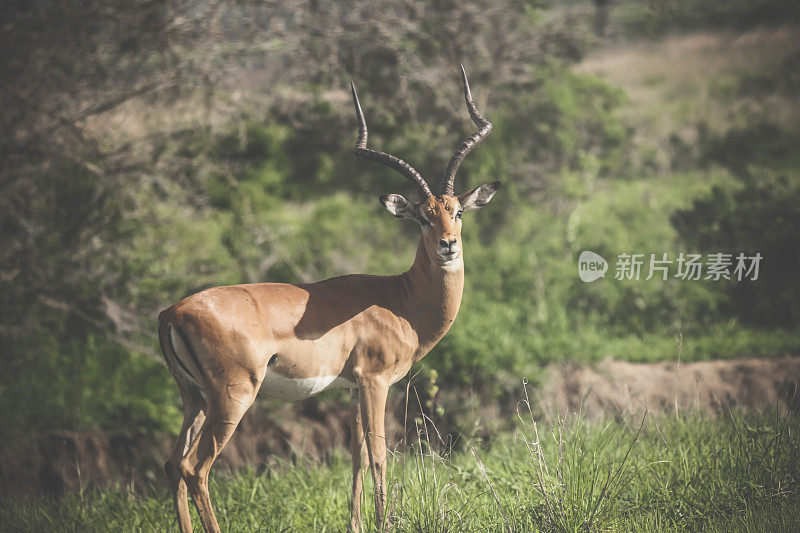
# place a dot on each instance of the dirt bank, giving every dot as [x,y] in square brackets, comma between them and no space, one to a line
[712,387]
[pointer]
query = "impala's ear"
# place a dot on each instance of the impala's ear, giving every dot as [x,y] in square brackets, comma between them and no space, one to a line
[397,205]
[479,196]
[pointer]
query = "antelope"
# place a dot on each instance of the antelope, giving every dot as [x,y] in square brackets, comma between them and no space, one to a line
[224,345]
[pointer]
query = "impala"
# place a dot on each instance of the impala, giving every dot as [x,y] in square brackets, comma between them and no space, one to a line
[224,345]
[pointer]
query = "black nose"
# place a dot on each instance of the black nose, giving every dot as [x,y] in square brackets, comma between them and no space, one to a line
[447,244]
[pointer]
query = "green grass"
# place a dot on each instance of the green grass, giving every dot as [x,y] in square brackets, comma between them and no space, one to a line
[734,473]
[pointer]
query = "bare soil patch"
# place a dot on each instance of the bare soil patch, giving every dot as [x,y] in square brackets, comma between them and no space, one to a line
[711,387]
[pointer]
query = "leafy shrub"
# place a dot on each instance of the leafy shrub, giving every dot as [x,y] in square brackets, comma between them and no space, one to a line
[758,217]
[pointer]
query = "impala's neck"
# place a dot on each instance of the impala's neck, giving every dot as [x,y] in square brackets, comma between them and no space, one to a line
[433,296]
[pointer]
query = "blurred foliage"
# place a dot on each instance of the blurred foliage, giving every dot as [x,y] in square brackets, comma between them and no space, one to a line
[654,18]
[104,223]
[761,218]
[758,215]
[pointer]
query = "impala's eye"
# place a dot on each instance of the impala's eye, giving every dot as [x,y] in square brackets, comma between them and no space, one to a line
[458,214]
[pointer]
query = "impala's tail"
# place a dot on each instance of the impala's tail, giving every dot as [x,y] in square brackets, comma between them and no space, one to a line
[178,354]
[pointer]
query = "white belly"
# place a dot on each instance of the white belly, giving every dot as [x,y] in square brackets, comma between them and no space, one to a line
[283,388]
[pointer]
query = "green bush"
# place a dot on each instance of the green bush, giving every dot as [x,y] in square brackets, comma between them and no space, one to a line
[66,377]
[757,217]
[654,19]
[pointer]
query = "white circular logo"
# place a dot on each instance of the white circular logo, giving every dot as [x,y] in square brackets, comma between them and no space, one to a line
[591,266]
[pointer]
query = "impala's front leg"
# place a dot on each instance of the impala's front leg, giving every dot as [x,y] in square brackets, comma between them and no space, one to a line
[373,392]
[358,449]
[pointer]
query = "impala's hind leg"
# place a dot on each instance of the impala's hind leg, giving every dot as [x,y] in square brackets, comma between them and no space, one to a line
[193,417]
[222,416]
[194,407]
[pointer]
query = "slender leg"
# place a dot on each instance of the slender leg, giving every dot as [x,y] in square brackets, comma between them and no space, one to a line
[358,448]
[193,418]
[221,420]
[373,410]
